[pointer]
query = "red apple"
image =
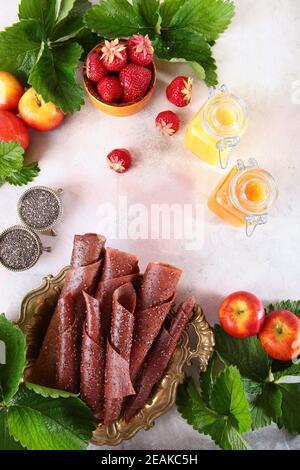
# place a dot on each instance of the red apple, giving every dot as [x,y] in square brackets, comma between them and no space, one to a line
[11,91]
[280,335]
[37,114]
[13,128]
[242,314]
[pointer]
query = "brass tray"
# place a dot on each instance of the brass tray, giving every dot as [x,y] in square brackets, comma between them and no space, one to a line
[36,310]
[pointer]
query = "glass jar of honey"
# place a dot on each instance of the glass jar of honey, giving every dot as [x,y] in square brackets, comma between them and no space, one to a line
[245,196]
[217,127]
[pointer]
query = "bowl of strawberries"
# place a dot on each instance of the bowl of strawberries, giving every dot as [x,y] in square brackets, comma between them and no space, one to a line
[120,75]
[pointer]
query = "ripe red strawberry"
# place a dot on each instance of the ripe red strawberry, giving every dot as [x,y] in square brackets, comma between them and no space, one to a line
[119,160]
[95,69]
[179,92]
[140,50]
[168,123]
[114,55]
[135,80]
[110,89]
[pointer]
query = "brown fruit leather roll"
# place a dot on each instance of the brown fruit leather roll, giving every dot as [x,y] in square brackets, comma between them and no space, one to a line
[118,268]
[92,358]
[83,274]
[118,352]
[155,299]
[158,358]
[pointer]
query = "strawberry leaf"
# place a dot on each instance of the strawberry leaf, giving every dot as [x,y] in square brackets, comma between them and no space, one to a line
[228,413]
[290,407]
[53,77]
[189,46]
[44,11]
[207,17]
[114,18]
[148,9]
[168,9]
[20,45]
[7,442]
[70,19]
[12,360]
[25,175]
[290,305]
[46,423]
[11,158]
[48,392]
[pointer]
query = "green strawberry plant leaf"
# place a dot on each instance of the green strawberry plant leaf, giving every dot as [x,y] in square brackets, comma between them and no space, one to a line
[167,10]
[290,305]
[7,442]
[148,10]
[25,175]
[46,423]
[70,19]
[49,392]
[44,11]
[207,17]
[246,354]
[11,158]
[12,362]
[114,18]
[23,40]
[53,77]
[290,418]
[228,416]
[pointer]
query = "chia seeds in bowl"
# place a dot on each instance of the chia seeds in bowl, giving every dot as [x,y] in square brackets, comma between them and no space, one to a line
[40,208]
[19,248]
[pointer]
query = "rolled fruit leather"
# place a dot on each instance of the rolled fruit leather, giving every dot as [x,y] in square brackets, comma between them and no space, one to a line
[117,376]
[83,274]
[159,357]
[118,268]
[155,298]
[92,358]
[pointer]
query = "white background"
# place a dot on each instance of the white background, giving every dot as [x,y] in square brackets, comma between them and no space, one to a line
[258,59]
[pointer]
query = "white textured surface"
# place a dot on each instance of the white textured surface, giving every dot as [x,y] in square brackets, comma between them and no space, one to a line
[259,59]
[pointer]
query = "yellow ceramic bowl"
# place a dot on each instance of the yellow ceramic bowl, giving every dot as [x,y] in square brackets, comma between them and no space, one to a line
[117,109]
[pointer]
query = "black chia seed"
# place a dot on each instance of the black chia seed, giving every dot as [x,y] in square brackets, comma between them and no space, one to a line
[39,209]
[18,249]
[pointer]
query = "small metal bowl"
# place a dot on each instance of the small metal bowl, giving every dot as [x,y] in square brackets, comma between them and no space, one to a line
[35,244]
[36,310]
[49,227]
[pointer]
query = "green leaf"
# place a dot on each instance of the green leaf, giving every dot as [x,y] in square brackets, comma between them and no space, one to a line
[53,77]
[290,407]
[228,399]
[64,9]
[148,9]
[40,423]
[247,354]
[71,21]
[199,70]
[290,305]
[190,46]
[87,40]
[49,392]
[253,390]
[6,441]
[207,380]
[44,11]
[208,17]
[168,9]
[114,18]
[12,363]
[20,45]
[223,429]
[293,369]
[25,175]
[270,401]
[11,158]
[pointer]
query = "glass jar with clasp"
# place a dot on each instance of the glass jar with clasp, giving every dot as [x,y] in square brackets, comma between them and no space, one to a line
[217,127]
[245,196]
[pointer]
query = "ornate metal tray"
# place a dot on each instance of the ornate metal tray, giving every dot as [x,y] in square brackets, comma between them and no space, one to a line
[36,310]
